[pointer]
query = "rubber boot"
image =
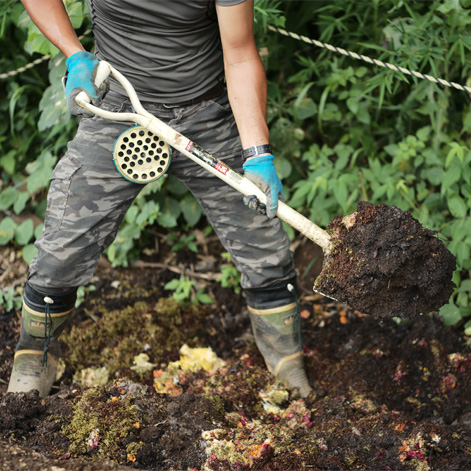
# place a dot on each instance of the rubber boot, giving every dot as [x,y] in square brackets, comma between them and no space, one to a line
[277,334]
[37,353]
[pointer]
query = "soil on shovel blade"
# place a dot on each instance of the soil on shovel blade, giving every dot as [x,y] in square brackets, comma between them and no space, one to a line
[384,263]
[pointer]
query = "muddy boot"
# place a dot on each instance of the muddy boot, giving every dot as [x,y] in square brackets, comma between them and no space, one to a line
[42,320]
[277,334]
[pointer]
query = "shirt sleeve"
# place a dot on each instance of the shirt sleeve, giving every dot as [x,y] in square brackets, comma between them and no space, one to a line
[228,3]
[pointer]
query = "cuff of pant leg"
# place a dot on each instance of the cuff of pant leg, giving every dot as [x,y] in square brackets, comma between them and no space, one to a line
[34,299]
[274,296]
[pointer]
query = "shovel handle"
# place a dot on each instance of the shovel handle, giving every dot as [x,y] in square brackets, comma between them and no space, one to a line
[197,154]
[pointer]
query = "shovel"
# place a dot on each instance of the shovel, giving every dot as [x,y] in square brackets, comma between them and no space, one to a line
[377,280]
[195,153]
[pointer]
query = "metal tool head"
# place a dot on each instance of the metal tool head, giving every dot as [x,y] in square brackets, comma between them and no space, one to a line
[141,156]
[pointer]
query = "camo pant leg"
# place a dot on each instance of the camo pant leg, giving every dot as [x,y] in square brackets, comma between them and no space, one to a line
[88,199]
[259,246]
[86,202]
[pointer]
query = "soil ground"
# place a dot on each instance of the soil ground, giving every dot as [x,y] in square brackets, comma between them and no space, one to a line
[387,395]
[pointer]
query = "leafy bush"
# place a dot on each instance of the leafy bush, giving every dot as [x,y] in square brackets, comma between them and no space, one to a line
[345,131]
[342,130]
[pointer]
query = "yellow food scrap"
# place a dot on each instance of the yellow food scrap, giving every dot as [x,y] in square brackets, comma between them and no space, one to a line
[191,360]
[142,364]
[194,359]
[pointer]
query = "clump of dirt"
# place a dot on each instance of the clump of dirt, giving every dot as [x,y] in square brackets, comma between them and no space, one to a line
[125,422]
[383,262]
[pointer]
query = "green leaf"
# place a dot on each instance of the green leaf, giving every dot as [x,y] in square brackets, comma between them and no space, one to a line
[75,14]
[111,253]
[456,150]
[204,298]
[434,175]
[452,175]
[191,209]
[7,230]
[457,206]
[8,162]
[167,220]
[341,193]
[450,313]
[53,108]
[24,232]
[147,214]
[8,197]
[132,214]
[305,109]
[38,231]
[39,179]
[322,104]
[29,252]
[363,115]
[173,284]
[283,167]
[39,43]
[424,133]
[174,186]
[353,104]
[20,202]
[344,152]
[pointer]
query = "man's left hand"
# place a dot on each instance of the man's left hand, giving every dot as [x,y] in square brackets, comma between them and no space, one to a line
[261,171]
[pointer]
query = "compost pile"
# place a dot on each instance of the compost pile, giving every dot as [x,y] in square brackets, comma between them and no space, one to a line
[383,262]
[150,384]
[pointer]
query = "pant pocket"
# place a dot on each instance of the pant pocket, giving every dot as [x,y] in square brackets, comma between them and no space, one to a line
[59,192]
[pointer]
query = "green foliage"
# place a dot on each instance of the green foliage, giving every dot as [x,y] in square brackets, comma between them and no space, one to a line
[9,300]
[342,130]
[184,292]
[230,276]
[180,242]
[82,293]
[345,131]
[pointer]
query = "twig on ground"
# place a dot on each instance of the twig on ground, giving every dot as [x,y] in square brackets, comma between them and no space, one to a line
[181,271]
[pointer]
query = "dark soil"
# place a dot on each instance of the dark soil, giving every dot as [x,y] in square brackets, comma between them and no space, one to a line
[387,395]
[384,263]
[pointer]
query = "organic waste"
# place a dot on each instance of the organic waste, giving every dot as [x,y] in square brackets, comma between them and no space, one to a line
[149,384]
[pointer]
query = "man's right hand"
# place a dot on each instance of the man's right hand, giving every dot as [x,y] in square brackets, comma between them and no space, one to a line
[81,73]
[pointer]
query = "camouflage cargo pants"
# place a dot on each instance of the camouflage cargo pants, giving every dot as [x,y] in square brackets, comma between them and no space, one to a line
[88,199]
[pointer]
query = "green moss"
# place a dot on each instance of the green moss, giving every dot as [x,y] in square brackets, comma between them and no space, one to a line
[133,448]
[114,337]
[98,423]
[217,402]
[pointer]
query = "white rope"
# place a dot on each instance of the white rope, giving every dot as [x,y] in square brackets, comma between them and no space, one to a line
[354,55]
[314,42]
[20,70]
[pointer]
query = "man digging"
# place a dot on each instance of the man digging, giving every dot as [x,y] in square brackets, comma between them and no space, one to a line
[179,56]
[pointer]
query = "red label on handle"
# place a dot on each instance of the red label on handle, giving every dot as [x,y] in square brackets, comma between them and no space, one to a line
[220,167]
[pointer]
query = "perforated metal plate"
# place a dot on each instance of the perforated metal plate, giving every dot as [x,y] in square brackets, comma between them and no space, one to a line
[141,156]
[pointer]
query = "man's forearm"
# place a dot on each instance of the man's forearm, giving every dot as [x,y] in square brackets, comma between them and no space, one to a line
[247,90]
[51,17]
[245,75]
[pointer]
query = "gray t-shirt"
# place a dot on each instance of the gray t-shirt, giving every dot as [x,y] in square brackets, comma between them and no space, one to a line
[170,50]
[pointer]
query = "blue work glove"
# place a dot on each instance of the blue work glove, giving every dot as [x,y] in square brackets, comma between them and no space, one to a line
[81,72]
[261,171]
